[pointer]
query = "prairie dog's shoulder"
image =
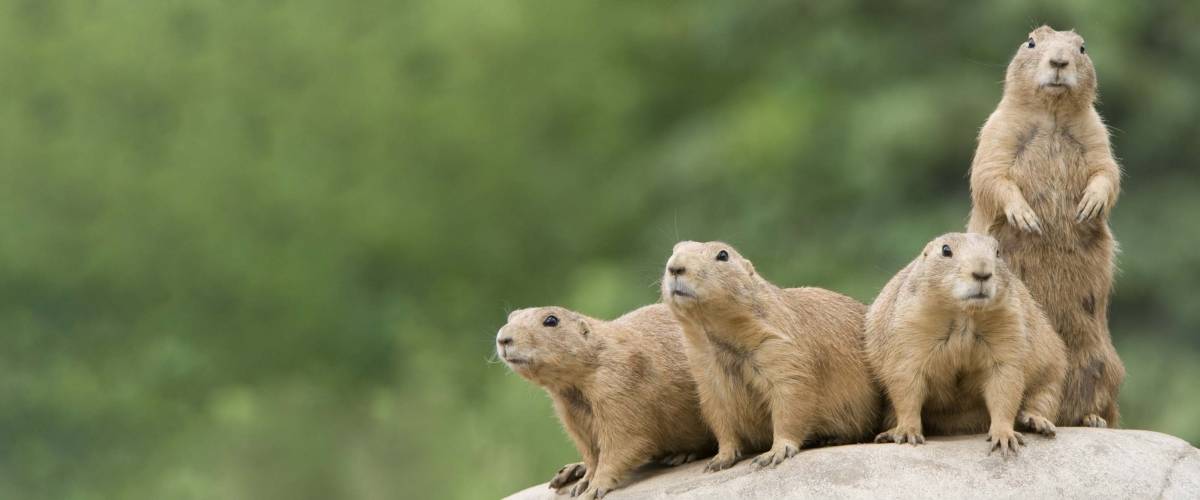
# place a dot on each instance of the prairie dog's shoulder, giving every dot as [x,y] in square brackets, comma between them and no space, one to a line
[811,300]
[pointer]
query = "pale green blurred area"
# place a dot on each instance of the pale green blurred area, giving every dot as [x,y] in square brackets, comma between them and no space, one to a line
[260,250]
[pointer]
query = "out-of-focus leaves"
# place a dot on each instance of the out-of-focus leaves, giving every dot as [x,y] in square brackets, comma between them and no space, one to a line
[261,249]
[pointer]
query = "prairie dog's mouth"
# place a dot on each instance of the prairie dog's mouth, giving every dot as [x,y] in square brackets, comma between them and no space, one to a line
[973,293]
[681,289]
[1056,82]
[505,353]
[515,360]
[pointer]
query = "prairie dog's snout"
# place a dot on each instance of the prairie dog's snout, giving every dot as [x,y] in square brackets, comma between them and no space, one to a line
[1056,69]
[505,345]
[982,267]
[978,269]
[678,282]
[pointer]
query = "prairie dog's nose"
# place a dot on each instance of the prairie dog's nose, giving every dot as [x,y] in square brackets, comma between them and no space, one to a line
[504,340]
[1058,62]
[982,276]
[675,266]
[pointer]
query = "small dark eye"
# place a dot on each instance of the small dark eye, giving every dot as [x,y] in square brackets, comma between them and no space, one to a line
[1082,49]
[946,251]
[1031,44]
[722,256]
[550,321]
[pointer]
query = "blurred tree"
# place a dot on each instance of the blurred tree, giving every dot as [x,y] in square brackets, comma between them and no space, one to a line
[260,250]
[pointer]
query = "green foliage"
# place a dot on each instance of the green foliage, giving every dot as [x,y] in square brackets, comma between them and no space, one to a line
[260,249]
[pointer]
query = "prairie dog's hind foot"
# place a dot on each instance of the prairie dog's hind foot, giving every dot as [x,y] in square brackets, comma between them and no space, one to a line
[777,454]
[676,459]
[580,487]
[722,461]
[568,474]
[1037,423]
[900,435]
[594,493]
[1094,420]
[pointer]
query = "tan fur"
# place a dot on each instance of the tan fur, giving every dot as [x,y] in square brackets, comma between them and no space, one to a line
[622,389]
[960,346]
[1043,183]
[775,368]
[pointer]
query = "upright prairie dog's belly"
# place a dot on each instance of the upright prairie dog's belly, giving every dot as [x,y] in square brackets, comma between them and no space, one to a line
[1052,172]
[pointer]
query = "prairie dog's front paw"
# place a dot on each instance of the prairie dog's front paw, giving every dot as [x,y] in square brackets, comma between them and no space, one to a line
[779,452]
[1022,217]
[723,460]
[901,434]
[1007,441]
[679,458]
[568,474]
[1037,423]
[1092,204]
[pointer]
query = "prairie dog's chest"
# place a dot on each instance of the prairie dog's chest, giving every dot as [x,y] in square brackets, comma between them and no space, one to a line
[1050,165]
[957,354]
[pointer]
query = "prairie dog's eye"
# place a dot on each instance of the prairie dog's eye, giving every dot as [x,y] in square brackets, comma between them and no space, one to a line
[722,256]
[946,251]
[997,253]
[550,321]
[1030,43]
[1082,49]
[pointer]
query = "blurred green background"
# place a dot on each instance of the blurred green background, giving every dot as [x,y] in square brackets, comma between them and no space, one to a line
[260,250]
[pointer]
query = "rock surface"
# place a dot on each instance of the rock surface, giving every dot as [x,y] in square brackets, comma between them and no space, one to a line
[1079,463]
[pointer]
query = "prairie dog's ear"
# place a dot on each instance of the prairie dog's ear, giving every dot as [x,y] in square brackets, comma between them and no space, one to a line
[584,327]
[748,265]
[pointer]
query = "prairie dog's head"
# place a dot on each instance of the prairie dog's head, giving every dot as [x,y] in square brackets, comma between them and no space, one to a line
[706,275]
[546,344]
[964,269]
[1052,64]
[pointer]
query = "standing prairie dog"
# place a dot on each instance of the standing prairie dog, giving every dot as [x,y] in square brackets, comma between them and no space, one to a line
[1043,183]
[621,388]
[775,368]
[961,347]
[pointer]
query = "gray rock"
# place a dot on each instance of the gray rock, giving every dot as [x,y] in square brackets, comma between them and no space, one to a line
[1079,463]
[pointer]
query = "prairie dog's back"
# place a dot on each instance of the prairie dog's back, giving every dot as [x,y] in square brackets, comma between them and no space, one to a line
[881,312]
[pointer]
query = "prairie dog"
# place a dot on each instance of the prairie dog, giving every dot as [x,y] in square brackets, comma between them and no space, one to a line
[621,389]
[1043,182]
[775,368]
[961,347]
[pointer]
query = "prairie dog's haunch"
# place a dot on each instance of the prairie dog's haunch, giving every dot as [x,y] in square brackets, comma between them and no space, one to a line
[775,368]
[961,347]
[621,388]
[1043,183]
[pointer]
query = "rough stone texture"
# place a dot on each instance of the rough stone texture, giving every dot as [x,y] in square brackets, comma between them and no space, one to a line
[1079,463]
